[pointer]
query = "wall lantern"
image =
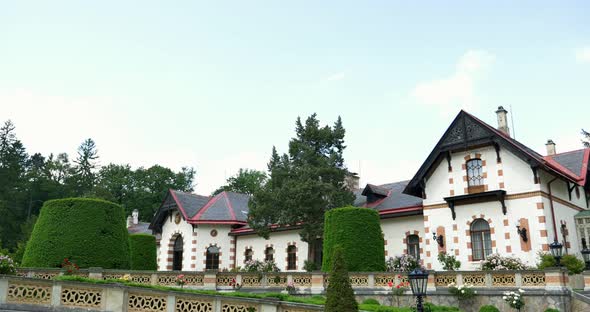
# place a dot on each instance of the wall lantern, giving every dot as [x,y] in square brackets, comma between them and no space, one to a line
[418,282]
[586,253]
[556,250]
[439,239]
[522,232]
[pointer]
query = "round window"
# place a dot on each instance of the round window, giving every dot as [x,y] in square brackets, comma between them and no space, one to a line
[214,233]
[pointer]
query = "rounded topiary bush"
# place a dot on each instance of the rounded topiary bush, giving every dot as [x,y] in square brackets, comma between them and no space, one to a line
[89,232]
[358,232]
[142,250]
[488,308]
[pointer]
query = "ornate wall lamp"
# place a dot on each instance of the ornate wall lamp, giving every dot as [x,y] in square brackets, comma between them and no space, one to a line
[522,232]
[439,239]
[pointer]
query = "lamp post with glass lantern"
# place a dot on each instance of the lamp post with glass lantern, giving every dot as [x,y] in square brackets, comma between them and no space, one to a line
[418,282]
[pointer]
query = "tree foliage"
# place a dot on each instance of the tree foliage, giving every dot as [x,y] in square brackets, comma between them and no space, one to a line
[89,232]
[339,295]
[246,181]
[586,138]
[305,183]
[358,232]
[142,252]
[27,181]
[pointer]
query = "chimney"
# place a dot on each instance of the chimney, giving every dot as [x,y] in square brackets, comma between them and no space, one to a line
[135,215]
[351,180]
[550,147]
[503,120]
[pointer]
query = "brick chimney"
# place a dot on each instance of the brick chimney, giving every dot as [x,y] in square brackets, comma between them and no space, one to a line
[550,147]
[503,120]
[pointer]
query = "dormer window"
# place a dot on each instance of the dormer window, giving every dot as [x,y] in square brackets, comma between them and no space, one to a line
[475,176]
[374,193]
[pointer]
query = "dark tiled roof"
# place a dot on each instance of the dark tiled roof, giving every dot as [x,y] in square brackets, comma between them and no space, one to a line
[225,206]
[396,198]
[375,189]
[139,228]
[583,213]
[572,161]
[190,203]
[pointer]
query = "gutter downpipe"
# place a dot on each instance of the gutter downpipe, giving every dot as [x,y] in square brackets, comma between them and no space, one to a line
[552,209]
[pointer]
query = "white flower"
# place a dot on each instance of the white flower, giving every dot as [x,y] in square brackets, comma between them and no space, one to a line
[504,297]
[514,302]
[520,290]
[475,292]
[462,291]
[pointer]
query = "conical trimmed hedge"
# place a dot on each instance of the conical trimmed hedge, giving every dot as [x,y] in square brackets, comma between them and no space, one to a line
[339,295]
[89,232]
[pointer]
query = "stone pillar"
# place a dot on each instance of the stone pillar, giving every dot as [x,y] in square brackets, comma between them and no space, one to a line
[170,303]
[3,290]
[116,299]
[210,280]
[266,307]
[317,283]
[217,305]
[371,280]
[154,279]
[56,295]
[556,279]
[586,281]
[95,273]
[431,286]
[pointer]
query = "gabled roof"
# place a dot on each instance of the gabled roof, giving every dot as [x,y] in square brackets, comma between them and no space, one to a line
[574,163]
[467,131]
[225,207]
[375,189]
[189,204]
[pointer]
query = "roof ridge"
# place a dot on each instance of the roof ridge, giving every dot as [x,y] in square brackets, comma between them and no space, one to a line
[569,152]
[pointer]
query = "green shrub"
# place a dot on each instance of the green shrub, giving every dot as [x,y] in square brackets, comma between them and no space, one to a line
[89,232]
[488,308]
[310,266]
[570,262]
[448,261]
[142,252]
[371,301]
[551,310]
[358,232]
[340,296]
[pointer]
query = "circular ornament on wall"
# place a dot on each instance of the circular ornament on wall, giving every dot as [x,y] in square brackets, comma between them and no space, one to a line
[213,233]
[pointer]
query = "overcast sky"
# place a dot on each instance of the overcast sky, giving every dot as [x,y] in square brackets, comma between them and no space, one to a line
[215,84]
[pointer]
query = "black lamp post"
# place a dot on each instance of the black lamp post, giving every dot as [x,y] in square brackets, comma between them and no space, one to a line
[586,255]
[418,282]
[556,250]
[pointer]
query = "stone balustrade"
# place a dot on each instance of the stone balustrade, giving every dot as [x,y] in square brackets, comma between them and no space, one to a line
[28,293]
[316,282]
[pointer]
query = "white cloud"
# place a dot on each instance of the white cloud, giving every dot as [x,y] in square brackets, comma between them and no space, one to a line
[457,89]
[336,76]
[583,55]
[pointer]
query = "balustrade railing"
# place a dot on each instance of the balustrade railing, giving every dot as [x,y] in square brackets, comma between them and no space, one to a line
[317,282]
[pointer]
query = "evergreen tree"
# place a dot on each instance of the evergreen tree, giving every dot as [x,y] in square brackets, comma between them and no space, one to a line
[304,184]
[339,295]
[86,165]
[586,139]
[246,181]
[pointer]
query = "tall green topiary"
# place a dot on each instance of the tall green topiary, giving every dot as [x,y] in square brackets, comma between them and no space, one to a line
[358,232]
[89,232]
[339,295]
[142,250]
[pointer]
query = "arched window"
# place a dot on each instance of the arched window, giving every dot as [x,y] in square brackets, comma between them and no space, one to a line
[212,260]
[248,254]
[177,254]
[269,254]
[481,241]
[292,257]
[475,175]
[414,246]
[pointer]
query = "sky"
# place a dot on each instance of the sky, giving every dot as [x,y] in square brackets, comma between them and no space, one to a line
[215,85]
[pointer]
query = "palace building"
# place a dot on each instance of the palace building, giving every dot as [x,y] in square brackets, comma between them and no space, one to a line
[478,192]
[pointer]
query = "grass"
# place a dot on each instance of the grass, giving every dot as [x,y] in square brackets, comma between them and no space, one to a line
[317,300]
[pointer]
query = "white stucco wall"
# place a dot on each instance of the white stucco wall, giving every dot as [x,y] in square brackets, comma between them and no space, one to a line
[205,239]
[279,241]
[395,230]
[169,230]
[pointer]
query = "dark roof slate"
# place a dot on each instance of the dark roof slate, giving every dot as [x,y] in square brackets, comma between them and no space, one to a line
[225,206]
[572,161]
[396,198]
[191,203]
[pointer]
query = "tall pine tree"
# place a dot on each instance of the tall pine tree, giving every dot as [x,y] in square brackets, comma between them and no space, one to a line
[86,166]
[305,183]
[586,138]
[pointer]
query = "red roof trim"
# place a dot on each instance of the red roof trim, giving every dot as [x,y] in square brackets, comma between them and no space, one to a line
[178,203]
[217,222]
[230,207]
[207,205]
[393,211]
